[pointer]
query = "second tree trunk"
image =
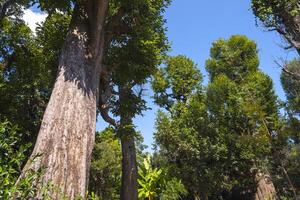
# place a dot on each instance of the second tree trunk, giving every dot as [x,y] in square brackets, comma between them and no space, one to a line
[129,185]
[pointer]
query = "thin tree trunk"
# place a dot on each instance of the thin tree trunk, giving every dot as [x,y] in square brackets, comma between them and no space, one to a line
[66,137]
[129,165]
[265,187]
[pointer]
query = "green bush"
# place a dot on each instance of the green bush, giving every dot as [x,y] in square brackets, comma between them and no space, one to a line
[155,183]
[12,157]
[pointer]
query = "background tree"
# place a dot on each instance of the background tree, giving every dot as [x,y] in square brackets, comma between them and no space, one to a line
[247,113]
[288,144]
[291,87]
[130,60]
[106,167]
[177,89]
[105,177]
[224,136]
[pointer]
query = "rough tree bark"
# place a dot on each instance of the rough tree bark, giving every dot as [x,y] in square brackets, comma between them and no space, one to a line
[66,136]
[129,168]
[265,187]
[129,165]
[196,196]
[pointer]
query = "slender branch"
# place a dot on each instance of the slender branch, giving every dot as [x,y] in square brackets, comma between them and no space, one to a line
[140,93]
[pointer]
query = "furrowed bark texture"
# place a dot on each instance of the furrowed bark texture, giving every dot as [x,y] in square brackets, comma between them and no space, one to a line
[265,187]
[66,136]
[129,165]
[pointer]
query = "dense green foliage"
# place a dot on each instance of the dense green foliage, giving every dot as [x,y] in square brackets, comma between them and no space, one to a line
[218,138]
[283,17]
[244,110]
[12,155]
[155,184]
[135,49]
[291,86]
[288,150]
[176,82]
[133,56]
[105,178]
[234,58]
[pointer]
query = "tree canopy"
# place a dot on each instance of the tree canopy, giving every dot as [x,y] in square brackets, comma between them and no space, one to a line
[221,135]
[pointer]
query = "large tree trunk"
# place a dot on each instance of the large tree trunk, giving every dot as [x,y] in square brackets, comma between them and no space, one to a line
[265,187]
[129,165]
[66,137]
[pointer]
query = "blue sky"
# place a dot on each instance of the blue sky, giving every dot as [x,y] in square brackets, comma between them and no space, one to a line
[192,27]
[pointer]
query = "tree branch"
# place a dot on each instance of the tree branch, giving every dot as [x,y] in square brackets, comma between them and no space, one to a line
[289,38]
[286,71]
[104,110]
[105,94]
